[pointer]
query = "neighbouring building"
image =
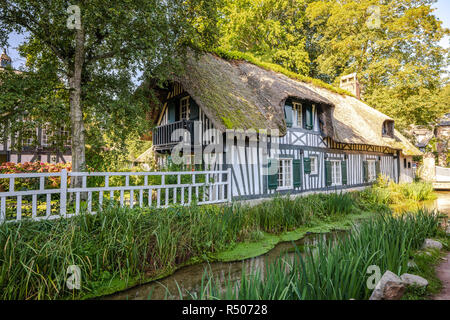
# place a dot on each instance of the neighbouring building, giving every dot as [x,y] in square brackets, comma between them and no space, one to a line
[326,140]
[31,151]
[436,137]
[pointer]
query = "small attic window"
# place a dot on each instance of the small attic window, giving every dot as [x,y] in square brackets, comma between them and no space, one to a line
[388,128]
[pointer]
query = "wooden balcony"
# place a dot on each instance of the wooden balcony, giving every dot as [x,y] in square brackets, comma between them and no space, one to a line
[162,135]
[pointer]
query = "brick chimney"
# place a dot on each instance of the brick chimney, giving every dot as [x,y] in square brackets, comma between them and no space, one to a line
[350,83]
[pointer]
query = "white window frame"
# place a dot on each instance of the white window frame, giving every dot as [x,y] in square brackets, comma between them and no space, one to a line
[298,114]
[285,181]
[315,167]
[336,172]
[371,170]
[184,104]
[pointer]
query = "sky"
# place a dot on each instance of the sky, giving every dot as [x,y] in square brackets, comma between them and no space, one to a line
[442,12]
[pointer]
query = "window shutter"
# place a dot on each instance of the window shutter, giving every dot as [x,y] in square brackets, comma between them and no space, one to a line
[288,115]
[307,165]
[366,171]
[344,171]
[328,179]
[171,111]
[378,168]
[297,169]
[308,118]
[194,112]
[272,179]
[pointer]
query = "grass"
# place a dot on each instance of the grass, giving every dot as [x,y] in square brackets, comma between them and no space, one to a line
[122,244]
[332,271]
[385,192]
[119,247]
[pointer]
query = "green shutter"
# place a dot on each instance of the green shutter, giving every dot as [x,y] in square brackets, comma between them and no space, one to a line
[194,111]
[297,168]
[328,179]
[288,115]
[307,165]
[272,179]
[171,111]
[344,171]
[378,168]
[366,171]
[308,118]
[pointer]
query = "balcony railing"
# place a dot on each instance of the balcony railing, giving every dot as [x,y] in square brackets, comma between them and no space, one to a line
[162,135]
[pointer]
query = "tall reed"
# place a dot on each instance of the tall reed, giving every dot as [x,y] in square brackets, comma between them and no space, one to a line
[332,270]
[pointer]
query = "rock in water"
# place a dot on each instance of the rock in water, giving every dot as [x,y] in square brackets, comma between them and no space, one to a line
[390,287]
[413,280]
[429,243]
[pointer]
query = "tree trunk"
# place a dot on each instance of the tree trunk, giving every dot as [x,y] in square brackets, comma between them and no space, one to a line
[76,110]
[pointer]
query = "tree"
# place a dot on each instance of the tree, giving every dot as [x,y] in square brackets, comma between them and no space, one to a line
[97,46]
[397,56]
[273,30]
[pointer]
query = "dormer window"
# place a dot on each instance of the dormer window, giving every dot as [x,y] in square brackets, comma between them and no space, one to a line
[388,128]
[299,115]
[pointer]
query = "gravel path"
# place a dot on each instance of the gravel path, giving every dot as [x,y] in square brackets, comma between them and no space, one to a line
[443,273]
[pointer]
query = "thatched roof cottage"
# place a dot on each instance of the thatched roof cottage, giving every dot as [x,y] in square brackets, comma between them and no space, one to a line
[326,137]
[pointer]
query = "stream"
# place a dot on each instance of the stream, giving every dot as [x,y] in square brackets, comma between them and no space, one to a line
[190,277]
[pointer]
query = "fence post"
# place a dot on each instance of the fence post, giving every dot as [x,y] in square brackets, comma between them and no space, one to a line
[229,185]
[63,194]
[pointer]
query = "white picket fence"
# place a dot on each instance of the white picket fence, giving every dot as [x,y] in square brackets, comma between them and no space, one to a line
[216,188]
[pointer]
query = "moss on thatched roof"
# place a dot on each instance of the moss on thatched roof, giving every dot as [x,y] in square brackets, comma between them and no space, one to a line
[238,91]
[237,94]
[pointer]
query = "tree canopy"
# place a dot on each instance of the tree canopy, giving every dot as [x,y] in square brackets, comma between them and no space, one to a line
[97,51]
[393,46]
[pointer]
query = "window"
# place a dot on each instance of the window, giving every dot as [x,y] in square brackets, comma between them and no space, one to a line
[314,165]
[46,134]
[372,170]
[184,108]
[298,115]
[285,174]
[388,128]
[336,176]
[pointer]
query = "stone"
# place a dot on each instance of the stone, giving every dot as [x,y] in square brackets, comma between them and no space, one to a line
[413,280]
[429,243]
[390,287]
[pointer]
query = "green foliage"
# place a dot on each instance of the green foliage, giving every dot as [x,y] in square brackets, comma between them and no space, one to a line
[390,193]
[117,45]
[399,63]
[120,243]
[331,271]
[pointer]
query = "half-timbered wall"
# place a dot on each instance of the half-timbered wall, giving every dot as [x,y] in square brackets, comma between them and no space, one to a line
[249,181]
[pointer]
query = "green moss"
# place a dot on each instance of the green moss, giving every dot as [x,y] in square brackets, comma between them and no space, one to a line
[237,55]
[228,123]
[247,250]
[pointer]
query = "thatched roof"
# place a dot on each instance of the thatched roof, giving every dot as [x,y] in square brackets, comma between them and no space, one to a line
[237,94]
[357,123]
